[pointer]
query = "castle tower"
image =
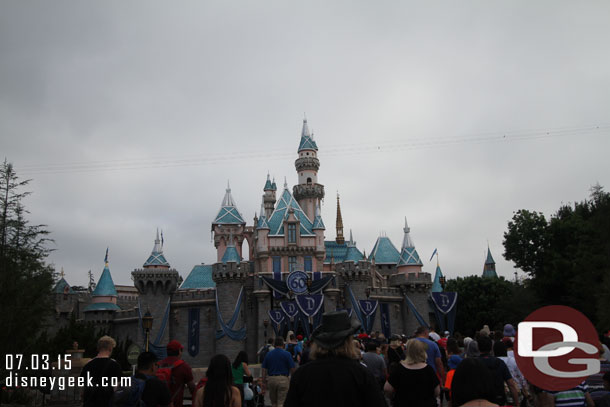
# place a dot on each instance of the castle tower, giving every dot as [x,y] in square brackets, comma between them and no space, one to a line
[103,300]
[268,197]
[228,224]
[437,287]
[409,261]
[308,192]
[339,224]
[489,268]
[156,282]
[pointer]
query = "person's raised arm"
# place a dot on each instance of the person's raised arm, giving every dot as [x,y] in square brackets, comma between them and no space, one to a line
[246,370]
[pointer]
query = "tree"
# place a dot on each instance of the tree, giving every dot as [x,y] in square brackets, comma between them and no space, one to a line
[567,257]
[489,301]
[26,280]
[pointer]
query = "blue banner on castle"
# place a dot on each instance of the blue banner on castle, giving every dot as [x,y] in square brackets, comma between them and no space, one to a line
[444,305]
[368,308]
[193,338]
[310,304]
[444,301]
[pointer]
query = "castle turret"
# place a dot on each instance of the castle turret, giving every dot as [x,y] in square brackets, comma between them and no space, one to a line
[268,197]
[319,228]
[437,287]
[156,258]
[104,297]
[308,192]
[489,268]
[228,222]
[352,254]
[409,261]
[156,282]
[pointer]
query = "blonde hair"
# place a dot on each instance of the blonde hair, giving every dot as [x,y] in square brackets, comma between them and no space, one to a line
[106,343]
[416,352]
[346,349]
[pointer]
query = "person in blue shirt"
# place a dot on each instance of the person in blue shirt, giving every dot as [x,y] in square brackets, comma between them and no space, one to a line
[276,368]
[433,353]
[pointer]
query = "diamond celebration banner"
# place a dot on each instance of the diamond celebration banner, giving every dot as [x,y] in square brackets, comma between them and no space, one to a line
[276,315]
[290,309]
[444,301]
[368,307]
[310,304]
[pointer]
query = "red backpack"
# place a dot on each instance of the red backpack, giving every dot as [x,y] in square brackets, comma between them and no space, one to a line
[164,373]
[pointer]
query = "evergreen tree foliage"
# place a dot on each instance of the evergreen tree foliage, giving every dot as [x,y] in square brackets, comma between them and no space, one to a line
[26,280]
[489,301]
[567,256]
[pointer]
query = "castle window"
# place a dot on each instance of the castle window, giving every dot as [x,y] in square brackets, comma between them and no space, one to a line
[292,233]
[307,263]
[292,263]
[309,180]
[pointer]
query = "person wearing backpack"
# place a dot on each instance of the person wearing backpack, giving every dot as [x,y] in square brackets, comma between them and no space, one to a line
[146,389]
[262,352]
[499,372]
[176,373]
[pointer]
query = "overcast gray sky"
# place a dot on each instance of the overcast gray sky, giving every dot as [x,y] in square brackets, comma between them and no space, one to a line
[130,116]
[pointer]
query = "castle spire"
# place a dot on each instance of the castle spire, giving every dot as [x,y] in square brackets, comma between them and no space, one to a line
[307,142]
[156,258]
[228,213]
[406,241]
[408,254]
[489,268]
[339,226]
[268,184]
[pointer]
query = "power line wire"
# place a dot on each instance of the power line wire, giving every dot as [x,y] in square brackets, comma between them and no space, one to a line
[383,146]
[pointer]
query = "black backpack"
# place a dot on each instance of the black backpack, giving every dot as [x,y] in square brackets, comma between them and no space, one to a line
[263,353]
[130,396]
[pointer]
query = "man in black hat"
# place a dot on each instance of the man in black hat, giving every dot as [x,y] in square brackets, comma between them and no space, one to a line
[334,377]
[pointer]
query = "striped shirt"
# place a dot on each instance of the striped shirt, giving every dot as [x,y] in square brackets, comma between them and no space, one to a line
[571,398]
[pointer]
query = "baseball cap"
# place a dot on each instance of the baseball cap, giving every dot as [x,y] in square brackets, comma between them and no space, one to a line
[174,345]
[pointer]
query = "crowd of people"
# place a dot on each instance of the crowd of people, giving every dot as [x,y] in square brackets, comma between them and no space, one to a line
[338,367]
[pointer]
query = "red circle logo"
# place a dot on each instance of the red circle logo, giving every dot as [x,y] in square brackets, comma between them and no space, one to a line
[556,348]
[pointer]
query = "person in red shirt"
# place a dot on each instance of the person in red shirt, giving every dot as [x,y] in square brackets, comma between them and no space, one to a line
[181,373]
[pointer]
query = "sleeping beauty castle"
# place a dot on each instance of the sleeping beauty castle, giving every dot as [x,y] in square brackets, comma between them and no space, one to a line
[286,277]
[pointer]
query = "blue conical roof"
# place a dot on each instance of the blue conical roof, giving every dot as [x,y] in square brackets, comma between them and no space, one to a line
[384,251]
[231,255]
[353,254]
[228,213]
[307,142]
[262,222]
[62,287]
[408,254]
[199,278]
[268,184]
[436,285]
[105,286]
[409,257]
[490,259]
[156,257]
